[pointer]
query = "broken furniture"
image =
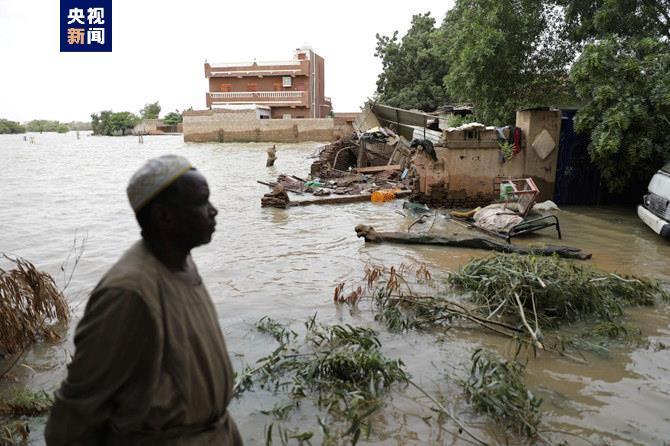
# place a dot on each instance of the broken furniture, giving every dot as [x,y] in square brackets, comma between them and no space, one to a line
[510,218]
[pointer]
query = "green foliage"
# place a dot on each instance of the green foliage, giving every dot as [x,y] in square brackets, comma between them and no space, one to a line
[7,126]
[495,388]
[497,55]
[458,120]
[24,402]
[623,77]
[43,125]
[626,86]
[412,67]
[110,123]
[551,289]
[151,111]
[173,118]
[588,19]
[504,55]
[340,367]
[15,405]
[614,331]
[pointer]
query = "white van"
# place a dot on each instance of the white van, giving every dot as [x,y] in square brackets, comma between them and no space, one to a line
[655,210]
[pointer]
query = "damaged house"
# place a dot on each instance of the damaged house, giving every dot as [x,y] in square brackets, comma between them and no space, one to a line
[449,167]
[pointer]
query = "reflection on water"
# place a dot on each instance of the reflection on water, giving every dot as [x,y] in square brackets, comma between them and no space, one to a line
[285,264]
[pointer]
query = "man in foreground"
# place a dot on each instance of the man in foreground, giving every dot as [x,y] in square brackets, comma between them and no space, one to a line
[151,366]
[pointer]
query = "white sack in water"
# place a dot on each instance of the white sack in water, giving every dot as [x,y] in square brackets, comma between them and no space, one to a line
[496,218]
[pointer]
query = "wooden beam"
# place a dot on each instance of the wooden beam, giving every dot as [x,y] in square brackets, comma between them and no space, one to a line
[374,169]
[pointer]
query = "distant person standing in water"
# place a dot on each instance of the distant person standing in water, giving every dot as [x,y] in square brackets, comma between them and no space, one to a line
[272,156]
[150,365]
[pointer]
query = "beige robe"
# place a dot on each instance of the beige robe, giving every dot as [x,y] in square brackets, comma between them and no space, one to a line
[150,366]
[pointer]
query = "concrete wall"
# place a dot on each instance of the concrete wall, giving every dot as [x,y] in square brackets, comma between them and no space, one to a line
[243,126]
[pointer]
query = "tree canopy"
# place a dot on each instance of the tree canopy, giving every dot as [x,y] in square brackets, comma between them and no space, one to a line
[113,124]
[173,118]
[43,125]
[499,56]
[7,126]
[151,111]
[412,67]
[504,55]
[623,78]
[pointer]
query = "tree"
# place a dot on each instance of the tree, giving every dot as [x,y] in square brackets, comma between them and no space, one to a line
[589,19]
[173,118]
[7,126]
[504,55]
[110,123]
[412,67]
[42,125]
[626,85]
[151,111]
[623,77]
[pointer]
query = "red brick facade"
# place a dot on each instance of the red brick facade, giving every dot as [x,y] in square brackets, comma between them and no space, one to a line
[292,89]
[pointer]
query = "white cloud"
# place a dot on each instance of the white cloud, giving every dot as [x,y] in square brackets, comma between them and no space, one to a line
[159,49]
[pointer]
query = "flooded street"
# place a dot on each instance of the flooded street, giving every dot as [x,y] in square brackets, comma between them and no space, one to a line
[285,264]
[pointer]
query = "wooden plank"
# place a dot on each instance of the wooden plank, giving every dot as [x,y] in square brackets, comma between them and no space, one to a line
[342,199]
[374,169]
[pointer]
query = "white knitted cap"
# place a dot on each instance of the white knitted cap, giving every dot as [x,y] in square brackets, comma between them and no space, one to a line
[153,177]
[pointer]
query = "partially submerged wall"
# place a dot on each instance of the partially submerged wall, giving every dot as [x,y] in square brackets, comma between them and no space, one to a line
[470,166]
[243,126]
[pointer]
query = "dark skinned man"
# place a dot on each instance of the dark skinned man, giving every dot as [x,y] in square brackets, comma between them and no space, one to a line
[150,365]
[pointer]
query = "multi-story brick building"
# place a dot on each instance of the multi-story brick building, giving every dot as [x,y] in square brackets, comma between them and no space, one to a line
[292,89]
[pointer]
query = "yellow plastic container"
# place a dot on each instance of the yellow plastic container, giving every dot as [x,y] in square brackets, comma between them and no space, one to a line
[382,195]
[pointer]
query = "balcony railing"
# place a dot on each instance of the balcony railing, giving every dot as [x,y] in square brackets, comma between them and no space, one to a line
[257,94]
[289,98]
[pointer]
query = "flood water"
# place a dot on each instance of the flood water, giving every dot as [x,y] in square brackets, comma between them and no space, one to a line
[285,264]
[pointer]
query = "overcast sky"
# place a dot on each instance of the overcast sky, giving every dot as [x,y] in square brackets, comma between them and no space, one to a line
[159,48]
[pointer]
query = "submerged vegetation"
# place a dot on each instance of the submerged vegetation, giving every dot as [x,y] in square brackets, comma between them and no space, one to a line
[30,305]
[553,291]
[527,299]
[25,402]
[20,403]
[496,388]
[340,367]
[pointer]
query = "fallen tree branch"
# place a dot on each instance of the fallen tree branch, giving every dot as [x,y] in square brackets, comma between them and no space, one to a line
[372,236]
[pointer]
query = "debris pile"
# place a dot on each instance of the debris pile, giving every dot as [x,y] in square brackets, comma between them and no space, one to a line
[278,198]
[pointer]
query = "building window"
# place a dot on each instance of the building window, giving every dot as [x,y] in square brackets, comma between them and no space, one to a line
[286,81]
[252,87]
[286,116]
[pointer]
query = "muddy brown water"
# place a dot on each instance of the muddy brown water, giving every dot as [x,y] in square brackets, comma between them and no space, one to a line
[285,264]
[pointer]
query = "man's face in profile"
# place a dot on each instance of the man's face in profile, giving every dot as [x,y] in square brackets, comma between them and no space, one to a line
[194,215]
